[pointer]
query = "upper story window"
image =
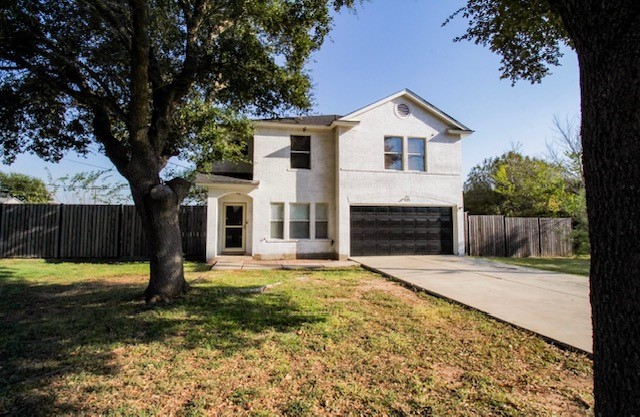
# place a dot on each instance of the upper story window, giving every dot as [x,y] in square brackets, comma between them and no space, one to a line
[416,154]
[301,152]
[401,153]
[393,153]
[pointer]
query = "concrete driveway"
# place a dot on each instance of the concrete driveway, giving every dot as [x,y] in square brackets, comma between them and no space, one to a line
[553,305]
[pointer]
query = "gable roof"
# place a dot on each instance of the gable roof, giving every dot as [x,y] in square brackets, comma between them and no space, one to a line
[329,121]
[417,99]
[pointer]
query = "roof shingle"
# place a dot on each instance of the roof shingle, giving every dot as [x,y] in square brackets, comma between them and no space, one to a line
[318,120]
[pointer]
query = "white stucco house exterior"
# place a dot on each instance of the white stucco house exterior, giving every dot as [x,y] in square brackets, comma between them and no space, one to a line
[382,180]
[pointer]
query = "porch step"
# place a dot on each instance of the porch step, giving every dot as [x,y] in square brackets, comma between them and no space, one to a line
[247,264]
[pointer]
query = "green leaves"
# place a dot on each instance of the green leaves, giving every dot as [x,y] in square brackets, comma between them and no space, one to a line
[517,185]
[207,133]
[25,188]
[527,34]
[66,74]
[90,187]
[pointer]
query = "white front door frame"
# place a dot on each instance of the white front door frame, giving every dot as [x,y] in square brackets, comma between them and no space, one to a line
[224,227]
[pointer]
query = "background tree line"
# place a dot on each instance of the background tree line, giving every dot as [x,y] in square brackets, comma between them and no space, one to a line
[517,185]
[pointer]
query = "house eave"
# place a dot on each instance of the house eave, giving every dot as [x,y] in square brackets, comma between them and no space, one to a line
[463,133]
[221,182]
[239,188]
[291,126]
[345,123]
[304,127]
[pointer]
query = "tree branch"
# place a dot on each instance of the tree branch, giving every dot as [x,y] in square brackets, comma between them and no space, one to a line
[176,188]
[114,149]
[166,97]
[180,187]
[114,21]
[140,45]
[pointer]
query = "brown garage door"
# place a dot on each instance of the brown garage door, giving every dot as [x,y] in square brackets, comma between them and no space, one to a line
[401,230]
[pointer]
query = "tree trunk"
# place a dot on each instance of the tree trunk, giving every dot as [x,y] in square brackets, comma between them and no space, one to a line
[159,208]
[164,241]
[607,40]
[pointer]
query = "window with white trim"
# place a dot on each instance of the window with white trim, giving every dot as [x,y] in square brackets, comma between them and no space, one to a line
[393,149]
[322,221]
[277,221]
[416,154]
[299,221]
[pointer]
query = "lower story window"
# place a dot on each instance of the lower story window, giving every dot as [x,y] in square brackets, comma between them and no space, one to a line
[299,221]
[322,221]
[277,220]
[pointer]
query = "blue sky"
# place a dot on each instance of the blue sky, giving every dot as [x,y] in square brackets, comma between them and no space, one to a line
[389,45]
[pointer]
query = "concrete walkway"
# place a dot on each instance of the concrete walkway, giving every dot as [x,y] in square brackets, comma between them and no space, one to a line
[244,263]
[551,304]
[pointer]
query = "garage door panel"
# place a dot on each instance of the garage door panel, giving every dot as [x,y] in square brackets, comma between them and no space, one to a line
[397,230]
[382,248]
[395,248]
[395,235]
[395,223]
[369,247]
[409,248]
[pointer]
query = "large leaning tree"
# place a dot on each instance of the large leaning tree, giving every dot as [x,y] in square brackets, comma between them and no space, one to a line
[606,37]
[147,80]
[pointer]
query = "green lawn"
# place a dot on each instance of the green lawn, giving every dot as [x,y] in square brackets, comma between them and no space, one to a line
[578,265]
[76,339]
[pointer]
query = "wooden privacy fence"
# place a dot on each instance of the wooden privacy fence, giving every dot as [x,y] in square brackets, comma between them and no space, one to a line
[518,237]
[89,231]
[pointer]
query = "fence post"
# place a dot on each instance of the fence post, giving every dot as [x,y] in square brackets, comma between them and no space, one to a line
[119,232]
[59,237]
[504,231]
[539,238]
[467,237]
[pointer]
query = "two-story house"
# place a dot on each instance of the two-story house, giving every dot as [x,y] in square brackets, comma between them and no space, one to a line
[382,180]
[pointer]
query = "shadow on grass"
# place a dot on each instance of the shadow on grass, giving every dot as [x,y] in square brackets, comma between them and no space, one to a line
[49,331]
[195,264]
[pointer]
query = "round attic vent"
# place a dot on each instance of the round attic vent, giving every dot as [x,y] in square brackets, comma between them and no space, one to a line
[403,110]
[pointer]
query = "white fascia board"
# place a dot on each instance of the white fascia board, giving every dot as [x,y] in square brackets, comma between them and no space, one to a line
[228,186]
[276,125]
[461,133]
[345,123]
[317,128]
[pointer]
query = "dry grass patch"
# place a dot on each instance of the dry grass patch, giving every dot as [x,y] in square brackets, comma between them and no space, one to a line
[321,343]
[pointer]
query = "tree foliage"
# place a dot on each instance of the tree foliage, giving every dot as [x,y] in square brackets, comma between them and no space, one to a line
[90,187]
[66,72]
[24,187]
[565,151]
[528,35]
[516,185]
[149,80]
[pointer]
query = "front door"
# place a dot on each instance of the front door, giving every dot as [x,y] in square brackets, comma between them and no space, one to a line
[233,228]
